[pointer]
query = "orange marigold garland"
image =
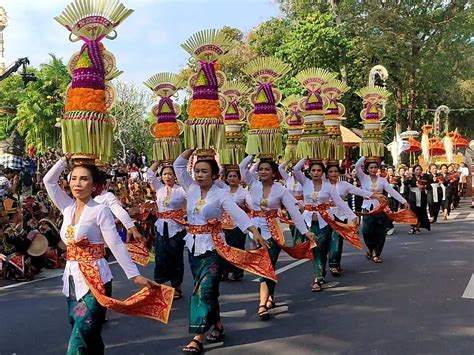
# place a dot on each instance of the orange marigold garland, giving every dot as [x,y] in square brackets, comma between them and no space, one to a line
[166,130]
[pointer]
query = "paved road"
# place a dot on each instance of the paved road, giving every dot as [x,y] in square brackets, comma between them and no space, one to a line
[412,303]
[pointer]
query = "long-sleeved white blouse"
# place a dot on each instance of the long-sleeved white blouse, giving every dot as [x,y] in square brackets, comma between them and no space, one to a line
[380,185]
[112,202]
[174,201]
[278,196]
[238,196]
[343,188]
[96,224]
[199,211]
[295,188]
[327,194]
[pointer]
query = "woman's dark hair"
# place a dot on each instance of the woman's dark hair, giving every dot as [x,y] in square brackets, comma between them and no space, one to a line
[321,165]
[273,166]
[431,165]
[417,166]
[366,166]
[339,169]
[213,165]
[227,172]
[167,167]
[445,165]
[94,171]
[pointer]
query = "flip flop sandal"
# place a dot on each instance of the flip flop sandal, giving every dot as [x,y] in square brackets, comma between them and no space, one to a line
[317,287]
[335,272]
[263,315]
[376,260]
[211,338]
[194,350]
[177,294]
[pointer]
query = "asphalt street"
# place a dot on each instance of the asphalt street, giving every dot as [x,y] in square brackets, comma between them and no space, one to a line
[420,300]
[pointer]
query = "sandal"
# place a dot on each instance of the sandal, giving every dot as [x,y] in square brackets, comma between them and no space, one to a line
[178,293]
[263,315]
[417,231]
[335,271]
[368,255]
[376,259]
[272,304]
[192,349]
[412,231]
[317,287]
[211,338]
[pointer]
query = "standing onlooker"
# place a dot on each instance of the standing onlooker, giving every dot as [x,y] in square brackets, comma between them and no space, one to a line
[464,171]
[5,184]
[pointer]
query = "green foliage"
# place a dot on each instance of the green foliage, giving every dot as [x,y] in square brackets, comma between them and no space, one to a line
[41,103]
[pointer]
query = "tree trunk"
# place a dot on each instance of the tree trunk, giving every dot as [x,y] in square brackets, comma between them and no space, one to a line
[398,107]
[411,99]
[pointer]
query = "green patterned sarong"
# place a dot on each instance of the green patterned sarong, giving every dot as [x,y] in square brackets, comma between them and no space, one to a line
[207,274]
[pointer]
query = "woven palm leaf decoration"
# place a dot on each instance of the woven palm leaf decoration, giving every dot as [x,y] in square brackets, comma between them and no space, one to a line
[166,129]
[234,115]
[294,121]
[86,125]
[372,114]
[313,143]
[334,89]
[264,136]
[204,128]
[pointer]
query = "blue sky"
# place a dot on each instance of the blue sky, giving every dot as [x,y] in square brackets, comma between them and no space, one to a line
[148,41]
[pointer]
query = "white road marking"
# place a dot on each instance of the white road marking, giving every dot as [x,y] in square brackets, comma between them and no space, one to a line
[288,267]
[469,291]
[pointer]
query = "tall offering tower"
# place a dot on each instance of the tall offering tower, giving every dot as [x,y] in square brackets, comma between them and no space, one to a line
[3,24]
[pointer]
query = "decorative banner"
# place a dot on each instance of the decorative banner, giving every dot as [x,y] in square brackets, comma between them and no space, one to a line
[204,128]
[313,143]
[264,136]
[86,125]
[166,129]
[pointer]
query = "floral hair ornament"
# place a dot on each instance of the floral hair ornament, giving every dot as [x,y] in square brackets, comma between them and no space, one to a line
[87,126]
[294,122]
[313,143]
[333,90]
[234,116]
[167,128]
[264,136]
[204,128]
[372,114]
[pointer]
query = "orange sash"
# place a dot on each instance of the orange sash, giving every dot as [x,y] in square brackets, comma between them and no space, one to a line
[255,261]
[175,215]
[347,231]
[404,216]
[138,252]
[227,222]
[152,303]
[298,251]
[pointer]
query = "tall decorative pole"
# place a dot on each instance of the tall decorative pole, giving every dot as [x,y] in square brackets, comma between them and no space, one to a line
[3,24]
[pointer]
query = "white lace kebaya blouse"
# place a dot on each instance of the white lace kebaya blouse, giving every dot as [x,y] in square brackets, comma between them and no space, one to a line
[278,196]
[167,200]
[199,211]
[327,194]
[380,186]
[96,224]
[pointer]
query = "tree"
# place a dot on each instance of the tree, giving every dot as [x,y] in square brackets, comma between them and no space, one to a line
[131,112]
[42,103]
